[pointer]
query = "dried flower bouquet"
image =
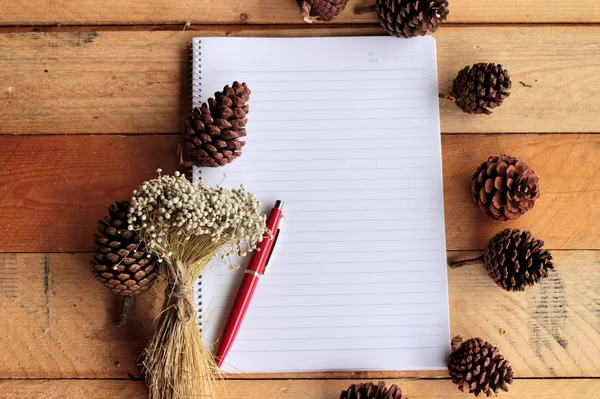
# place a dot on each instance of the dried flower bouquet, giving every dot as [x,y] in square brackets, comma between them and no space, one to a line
[185,225]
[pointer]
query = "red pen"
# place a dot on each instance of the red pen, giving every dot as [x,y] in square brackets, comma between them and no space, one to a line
[256,268]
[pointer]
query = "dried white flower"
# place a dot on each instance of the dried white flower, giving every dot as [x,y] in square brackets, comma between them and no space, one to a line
[171,206]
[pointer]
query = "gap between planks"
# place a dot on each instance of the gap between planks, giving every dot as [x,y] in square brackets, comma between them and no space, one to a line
[377,29]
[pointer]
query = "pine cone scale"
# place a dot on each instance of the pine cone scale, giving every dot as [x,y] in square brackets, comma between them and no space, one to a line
[480,88]
[372,391]
[321,10]
[504,187]
[409,18]
[486,369]
[216,127]
[515,261]
[119,253]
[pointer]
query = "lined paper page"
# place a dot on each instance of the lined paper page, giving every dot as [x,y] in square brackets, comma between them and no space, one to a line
[346,132]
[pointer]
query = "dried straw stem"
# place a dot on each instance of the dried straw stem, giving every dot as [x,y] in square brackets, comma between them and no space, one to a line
[466,262]
[176,363]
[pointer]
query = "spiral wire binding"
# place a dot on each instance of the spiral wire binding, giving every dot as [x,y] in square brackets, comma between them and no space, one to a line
[196,94]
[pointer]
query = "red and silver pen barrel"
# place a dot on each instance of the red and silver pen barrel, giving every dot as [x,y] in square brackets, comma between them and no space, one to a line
[255,269]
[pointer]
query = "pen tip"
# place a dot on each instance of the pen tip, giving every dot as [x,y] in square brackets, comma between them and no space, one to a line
[278,204]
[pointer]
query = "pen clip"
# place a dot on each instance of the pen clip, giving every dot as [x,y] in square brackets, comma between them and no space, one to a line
[273,247]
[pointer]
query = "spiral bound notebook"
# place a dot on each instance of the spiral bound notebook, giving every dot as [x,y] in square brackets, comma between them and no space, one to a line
[346,132]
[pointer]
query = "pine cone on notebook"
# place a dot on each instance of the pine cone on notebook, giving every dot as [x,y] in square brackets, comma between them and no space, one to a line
[481,88]
[121,261]
[410,18]
[321,10]
[480,366]
[515,260]
[212,133]
[504,187]
[372,391]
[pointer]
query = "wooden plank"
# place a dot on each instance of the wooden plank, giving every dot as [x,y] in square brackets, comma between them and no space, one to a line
[314,389]
[137,82]
[60,320]
[81,12]
[552,329]
[566,215]
[55,188]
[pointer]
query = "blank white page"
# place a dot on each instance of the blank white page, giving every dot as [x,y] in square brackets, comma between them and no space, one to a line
[346,132]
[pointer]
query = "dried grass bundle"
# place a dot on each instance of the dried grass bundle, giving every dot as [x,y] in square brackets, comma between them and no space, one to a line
[186,224]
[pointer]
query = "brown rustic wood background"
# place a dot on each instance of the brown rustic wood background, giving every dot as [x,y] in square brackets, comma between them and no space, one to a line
[92,96]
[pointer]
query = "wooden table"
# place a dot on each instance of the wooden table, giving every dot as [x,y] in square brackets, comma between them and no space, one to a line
[92,98]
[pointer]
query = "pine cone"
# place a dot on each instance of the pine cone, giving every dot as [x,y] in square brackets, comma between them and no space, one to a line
[321,10]
[480,88]
[505,187]
[410,18]
[480,366]
[515,260]
[372,391]
[120,260]
[212,132]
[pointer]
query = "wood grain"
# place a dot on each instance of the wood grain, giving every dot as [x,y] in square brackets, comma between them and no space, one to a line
[60,320]
[137,82]
[83,12]
[316,389]
[552,329]
[566,215]
[55,188]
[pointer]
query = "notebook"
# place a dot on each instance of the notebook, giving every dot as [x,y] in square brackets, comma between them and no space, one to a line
[346,132]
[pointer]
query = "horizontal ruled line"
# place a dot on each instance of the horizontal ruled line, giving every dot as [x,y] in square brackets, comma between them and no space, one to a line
[363,100]
[336,80]
[355,315]
[354,220]
[337,273]
[337,190]
[364,210]
[344,129]
[341,337]
[357,241]
[255,140]
[328,70]
[249,150]
[344,284]
[338,349]
[330,159]
[341,305]
[340,119]
[360,261]
[342,326]
[312,251]
[333,179]
[328,170]
[353,294]
[378,200]
[344,89]
[365,231]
